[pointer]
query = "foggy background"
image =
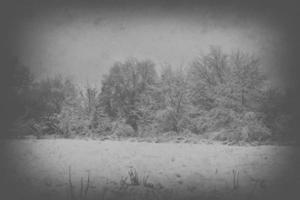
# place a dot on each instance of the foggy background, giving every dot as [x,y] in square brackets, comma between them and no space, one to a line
[83,41]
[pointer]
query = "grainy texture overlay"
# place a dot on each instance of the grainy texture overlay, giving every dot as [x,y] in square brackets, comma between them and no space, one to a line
[149,100]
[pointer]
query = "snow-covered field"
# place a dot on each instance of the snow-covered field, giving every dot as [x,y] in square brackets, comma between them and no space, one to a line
[46,169]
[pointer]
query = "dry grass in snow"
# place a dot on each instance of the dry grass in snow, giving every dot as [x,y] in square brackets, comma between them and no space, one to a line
[89,169]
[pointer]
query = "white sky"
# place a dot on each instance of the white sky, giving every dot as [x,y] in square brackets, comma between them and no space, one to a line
[84,43]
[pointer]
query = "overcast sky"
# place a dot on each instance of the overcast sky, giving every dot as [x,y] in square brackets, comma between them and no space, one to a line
[83,42]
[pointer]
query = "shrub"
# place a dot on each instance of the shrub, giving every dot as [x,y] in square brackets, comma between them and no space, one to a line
[185,123]
[22,127]
[232,135]
[166,120]
[253,128]
[281,125]
[148,130]
[226,124]
[122,129]
[255,132]
[71,120]
[214,120]
[103,126]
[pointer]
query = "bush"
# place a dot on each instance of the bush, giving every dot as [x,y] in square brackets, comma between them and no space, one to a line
[122,129]
[281,125]
[226,124]
[103,126]
[71,121]
[22,127]
[232,135]
[255,132]
[251,128]
[166,120]
[148,130]
[214,120]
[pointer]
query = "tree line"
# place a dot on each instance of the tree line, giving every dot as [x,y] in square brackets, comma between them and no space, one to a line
[216,92]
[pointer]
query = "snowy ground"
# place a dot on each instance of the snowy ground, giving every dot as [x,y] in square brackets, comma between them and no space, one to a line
[40,169]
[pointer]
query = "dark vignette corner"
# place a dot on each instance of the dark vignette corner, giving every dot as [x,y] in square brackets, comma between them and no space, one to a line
[285,15]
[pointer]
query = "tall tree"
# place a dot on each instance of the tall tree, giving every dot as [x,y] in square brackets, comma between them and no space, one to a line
[246,77]
[208,75]
[123,88]
[219,79]
[175,96]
